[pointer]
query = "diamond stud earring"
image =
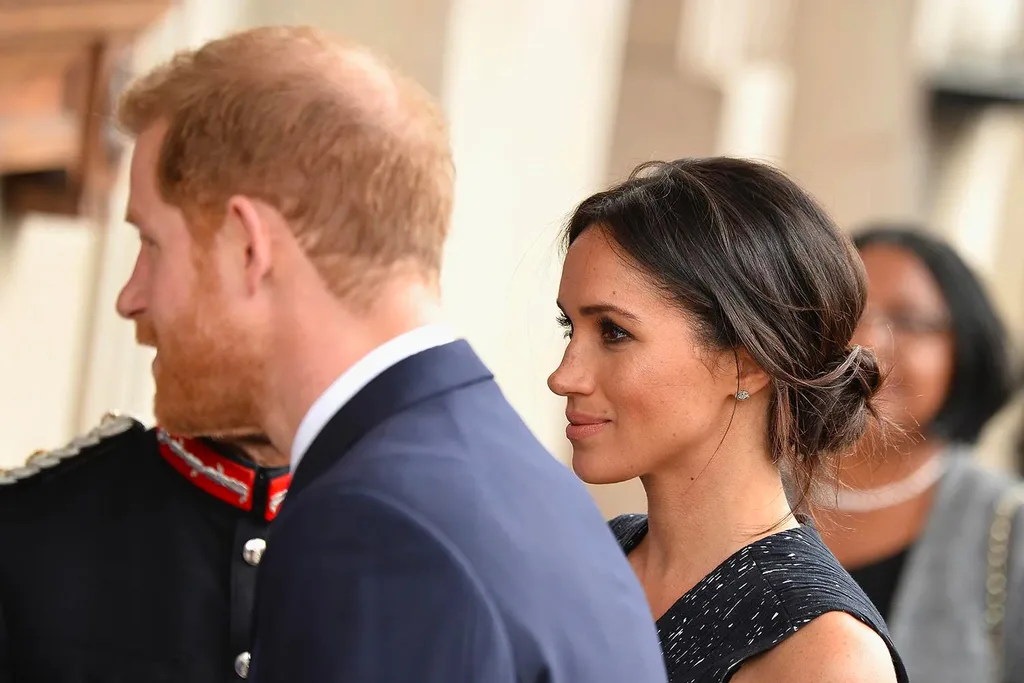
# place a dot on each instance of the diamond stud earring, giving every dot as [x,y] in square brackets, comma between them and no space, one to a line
[742,395]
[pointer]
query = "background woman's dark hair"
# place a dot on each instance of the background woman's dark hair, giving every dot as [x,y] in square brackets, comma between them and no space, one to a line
[758,265]
[982,366]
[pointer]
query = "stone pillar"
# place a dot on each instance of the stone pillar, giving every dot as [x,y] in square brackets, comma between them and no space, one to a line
[45,269]
[412,34]
[530,88]
[857,124]
[664,110]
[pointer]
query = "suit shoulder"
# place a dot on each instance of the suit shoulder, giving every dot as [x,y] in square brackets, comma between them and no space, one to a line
[110,436]
[381,511]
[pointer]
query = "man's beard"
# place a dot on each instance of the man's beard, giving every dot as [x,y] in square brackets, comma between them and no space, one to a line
[208,374]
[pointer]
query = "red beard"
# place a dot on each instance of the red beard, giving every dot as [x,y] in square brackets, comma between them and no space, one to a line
[208,375]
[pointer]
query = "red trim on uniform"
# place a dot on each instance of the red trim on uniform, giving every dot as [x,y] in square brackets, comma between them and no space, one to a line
[276,492]
[237,492]
[213,459]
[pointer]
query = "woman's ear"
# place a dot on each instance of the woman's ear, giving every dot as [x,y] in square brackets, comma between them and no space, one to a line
[750,377]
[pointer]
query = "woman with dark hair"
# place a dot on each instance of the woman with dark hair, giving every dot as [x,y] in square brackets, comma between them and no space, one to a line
[709,305]
[929,534]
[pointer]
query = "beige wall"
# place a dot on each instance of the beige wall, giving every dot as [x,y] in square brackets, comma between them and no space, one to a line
[44,287]
[413,34]
[530,87]
[857,124]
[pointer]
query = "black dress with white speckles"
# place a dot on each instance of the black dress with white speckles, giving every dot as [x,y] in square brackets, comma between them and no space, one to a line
[753,601]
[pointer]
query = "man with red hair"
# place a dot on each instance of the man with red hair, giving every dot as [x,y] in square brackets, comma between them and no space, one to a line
[293,195]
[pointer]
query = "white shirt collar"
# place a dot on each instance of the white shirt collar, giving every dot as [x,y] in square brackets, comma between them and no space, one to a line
[343,389]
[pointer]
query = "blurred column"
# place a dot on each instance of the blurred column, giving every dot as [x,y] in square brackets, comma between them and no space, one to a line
[857,125]
[977,207]
[412,33]
[742,46]
[704,77]
[663,110]
[45,268]
[530,88]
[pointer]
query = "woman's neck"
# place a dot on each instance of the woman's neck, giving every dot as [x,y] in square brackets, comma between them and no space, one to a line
[876,465]
[696,522]
[861,538]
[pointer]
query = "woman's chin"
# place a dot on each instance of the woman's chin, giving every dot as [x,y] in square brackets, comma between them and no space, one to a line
[596,471]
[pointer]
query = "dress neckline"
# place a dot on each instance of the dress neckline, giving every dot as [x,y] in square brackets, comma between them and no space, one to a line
[638,532]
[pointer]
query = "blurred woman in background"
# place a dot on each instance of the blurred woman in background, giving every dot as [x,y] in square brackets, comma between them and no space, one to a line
[933,539]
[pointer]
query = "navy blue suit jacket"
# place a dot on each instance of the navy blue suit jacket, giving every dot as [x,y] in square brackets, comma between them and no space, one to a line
[428,537]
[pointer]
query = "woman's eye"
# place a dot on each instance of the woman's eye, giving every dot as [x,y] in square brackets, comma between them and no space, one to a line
[611,332]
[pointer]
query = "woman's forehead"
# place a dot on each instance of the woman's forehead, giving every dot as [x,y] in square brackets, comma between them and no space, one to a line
[595,267]
[897,275]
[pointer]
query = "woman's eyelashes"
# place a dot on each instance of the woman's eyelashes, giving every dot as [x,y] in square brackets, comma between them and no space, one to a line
[563,321]
[610,332]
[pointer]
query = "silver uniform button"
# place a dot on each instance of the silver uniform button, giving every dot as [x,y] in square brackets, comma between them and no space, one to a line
[252,551]
[242,662]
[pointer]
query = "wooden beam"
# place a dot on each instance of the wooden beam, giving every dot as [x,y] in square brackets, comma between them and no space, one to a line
[33,143]
[20,18]
[95,168]
[58,153]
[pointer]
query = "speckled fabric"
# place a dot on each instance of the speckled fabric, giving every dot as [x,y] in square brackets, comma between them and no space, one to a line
[753,601]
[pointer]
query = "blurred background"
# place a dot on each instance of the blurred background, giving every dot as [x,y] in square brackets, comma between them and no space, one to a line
[891,110]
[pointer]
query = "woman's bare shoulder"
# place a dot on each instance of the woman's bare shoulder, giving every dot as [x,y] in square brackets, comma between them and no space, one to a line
[833,648]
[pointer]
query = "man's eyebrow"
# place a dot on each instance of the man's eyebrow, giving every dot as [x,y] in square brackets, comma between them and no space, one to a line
[131,218]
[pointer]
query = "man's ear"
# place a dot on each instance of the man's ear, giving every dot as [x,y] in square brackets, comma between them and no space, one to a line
[750,377]
[252,233]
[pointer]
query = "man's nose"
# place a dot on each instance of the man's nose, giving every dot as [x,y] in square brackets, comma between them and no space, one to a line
[131,301]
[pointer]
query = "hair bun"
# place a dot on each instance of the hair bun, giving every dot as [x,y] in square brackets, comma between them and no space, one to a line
[860,367]
[832,409]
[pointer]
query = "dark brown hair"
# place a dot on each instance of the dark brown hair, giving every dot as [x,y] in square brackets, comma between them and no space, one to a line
[759,265]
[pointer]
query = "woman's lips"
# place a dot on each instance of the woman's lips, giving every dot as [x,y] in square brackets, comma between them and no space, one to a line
[583,426]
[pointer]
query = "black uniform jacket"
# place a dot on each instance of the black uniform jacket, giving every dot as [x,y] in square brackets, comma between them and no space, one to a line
[129,555]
